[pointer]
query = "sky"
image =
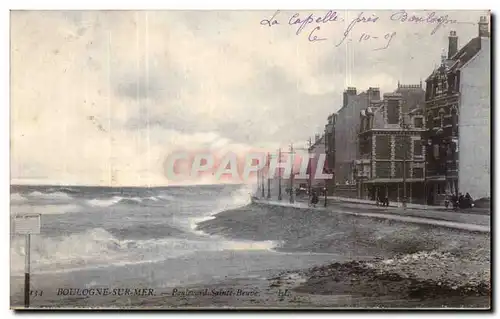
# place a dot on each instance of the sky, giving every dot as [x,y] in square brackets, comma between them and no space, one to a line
[105,97]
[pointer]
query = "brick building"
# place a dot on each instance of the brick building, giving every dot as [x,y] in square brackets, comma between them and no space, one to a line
[391,153]
[457,110]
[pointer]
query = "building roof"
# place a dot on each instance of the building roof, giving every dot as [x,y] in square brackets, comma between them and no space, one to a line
[320,141]
[463,56]
[467,52]
[414,96]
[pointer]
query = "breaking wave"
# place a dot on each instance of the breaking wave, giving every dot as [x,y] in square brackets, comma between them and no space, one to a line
[107,202]
[50,196]
[17,198]
[239,198]
[99,248]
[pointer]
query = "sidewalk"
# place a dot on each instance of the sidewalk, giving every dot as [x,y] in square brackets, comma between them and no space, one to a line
[483,211]
[452,219]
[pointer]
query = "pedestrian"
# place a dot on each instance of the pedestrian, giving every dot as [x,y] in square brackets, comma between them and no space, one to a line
[314,199]
[447,201]
[468,200]
[461,200]
[454,201]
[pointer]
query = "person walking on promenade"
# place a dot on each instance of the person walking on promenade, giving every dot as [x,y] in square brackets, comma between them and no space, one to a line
[468,200]
[461,200]
[447,201]
[454,201]
[314,199]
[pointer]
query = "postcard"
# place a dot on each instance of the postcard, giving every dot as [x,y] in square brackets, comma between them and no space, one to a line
[328,159]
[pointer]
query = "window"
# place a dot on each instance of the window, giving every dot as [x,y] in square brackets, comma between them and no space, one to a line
[451,83]
[454,120]
[417,148]
[365,146]
[441,189]
[439,88]
[428,91]
[418,122]
[430,120]
[401,147]
[383,147]
[393,112]
[436,151]
[383,169]
[398,169]
[418,172]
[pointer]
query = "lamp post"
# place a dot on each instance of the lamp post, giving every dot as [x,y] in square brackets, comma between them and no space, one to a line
[280,197]
[427,146]
[291,174]
[262,183]
[404,126]
[326,184]
[268,176]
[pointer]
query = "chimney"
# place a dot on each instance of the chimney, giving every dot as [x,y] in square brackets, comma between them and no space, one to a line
[452,44]
[483,27]
[373,93]
[351,91]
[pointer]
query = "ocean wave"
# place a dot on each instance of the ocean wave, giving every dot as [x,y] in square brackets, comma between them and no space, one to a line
[238,198]
[67,190]
[98,247]
[16,197]
[153,198]
[167,197]
[104,202]
[54,209]
[107,202]
[50,196]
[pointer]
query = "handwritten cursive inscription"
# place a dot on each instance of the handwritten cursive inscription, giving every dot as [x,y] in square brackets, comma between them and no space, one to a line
[312,37]
[388,37]
[272,21]
[430,18]
[311,25]
[361,18]
[295,20]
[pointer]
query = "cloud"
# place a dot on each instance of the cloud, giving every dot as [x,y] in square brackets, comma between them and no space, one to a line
[103,97]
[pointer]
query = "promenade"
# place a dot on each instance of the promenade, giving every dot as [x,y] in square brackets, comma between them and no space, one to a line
[413,213]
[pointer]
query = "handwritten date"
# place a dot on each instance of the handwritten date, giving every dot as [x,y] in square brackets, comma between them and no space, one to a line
[312,24]
[387,37]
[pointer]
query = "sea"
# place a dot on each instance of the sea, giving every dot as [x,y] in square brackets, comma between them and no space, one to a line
[135,237]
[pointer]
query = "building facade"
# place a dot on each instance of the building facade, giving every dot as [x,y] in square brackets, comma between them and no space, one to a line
[391,158]
[474,121]
[330,151]
[457,111]
[316,149]
[346,132]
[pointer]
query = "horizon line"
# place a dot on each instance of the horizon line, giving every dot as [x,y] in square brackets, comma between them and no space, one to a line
[124,186]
